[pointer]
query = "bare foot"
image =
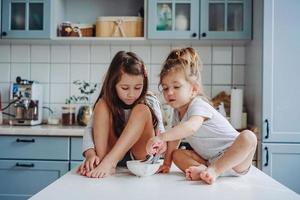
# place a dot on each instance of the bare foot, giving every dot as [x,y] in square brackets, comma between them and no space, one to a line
[209,175]
[193,173]
[101,171]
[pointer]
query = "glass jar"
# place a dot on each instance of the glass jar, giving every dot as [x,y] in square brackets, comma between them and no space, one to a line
[84,115]
[65,29]
[68,115]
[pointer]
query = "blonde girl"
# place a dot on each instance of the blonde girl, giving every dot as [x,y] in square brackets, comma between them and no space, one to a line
[124,118]
[218,149]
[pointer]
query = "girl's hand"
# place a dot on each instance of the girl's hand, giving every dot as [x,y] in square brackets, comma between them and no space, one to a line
[164,169]
[156,146]
[90,162]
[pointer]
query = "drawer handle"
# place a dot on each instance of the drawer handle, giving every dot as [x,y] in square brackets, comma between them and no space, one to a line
[268,128]
[24,165]
[24,140]
[267,157]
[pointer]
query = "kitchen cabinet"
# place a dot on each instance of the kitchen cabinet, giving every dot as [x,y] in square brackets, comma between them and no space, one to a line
[15,147]
[75,164]
[226,19]
[281,131]
[76,152]
[81,12]
[26,18]
[20,179]
[222,19]
[30,163]
[280,71]
[173,19]
[281,161]
[40,19]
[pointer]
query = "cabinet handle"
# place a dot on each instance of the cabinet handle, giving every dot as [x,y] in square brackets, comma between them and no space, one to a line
[203,34]
[24,140]
[194,35]
[268,130]
[267,157]
[4,34]
[24,165]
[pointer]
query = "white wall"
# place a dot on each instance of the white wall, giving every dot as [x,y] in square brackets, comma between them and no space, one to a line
[57,66]
[253,72]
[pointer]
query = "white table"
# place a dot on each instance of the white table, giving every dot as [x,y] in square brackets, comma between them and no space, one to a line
[255,185]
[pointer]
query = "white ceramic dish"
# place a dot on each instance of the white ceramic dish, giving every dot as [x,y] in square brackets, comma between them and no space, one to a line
[141,169]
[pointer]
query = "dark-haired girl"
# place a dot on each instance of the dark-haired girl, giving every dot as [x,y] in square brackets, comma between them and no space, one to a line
[125,118]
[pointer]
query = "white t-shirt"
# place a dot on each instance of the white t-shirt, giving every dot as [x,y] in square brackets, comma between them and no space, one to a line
[151,100]
[214,136]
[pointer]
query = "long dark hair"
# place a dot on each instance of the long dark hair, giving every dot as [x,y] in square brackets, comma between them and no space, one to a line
[129,63]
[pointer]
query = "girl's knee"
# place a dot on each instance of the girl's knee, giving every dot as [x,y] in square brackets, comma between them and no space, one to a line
[249,138]
[178,154]
[141,110]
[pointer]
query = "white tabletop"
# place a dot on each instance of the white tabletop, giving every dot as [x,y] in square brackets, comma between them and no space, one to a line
[255,185]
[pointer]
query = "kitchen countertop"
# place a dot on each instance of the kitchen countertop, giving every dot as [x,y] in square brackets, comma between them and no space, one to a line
[42,130]
[255,185]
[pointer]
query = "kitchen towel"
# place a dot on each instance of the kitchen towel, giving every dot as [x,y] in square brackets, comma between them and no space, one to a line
[236,108]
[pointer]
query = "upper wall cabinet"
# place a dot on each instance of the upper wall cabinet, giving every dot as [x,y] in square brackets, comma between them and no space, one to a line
[105,19]
[26,18]
[226,19]
[173,19]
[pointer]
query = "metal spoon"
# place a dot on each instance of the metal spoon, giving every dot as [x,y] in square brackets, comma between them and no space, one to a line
[148,159]
[155,158]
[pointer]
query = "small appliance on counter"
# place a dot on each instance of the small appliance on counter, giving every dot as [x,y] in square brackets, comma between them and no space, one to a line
[27,97]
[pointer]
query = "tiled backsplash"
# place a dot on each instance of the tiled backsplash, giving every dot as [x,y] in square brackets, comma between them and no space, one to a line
[57,66]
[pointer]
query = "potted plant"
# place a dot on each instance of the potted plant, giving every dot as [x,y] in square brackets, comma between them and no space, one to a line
[84,112]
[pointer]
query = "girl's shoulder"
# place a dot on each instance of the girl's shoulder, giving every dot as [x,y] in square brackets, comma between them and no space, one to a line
[198,106]
[101,105]
[200,101]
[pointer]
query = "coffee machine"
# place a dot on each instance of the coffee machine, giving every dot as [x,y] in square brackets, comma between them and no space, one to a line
[27,97]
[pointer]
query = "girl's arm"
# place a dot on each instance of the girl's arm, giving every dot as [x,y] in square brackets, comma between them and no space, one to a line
[183,130]
[87,142]
[88,150]
[101,128]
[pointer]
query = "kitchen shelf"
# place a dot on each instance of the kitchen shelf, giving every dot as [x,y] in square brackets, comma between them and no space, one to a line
[98,38]
[119,41]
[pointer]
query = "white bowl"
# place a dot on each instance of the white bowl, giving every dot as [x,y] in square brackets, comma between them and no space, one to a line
[141,169]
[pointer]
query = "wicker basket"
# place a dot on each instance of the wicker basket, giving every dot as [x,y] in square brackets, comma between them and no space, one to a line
[119,27]
[82,30]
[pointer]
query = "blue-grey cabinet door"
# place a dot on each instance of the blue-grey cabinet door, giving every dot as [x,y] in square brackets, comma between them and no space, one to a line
[281,162]
[226,19]
[26,18]
[20,179]
[75,164]
[76,148]
[34,147]
[281,91]
[173,19]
